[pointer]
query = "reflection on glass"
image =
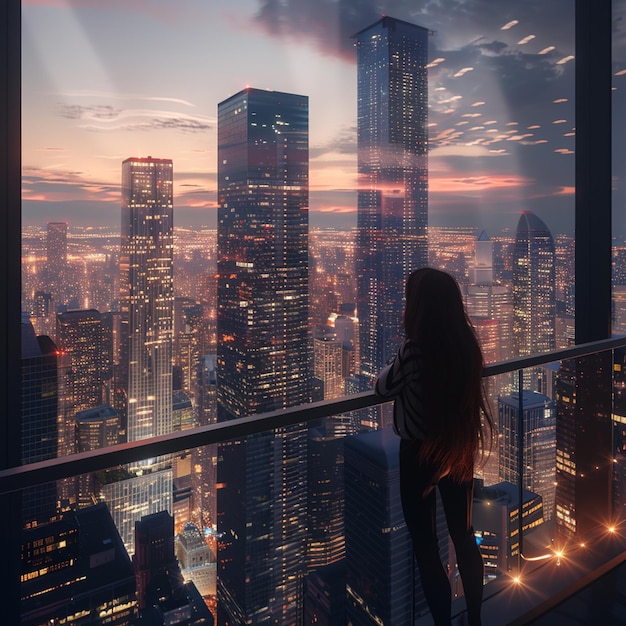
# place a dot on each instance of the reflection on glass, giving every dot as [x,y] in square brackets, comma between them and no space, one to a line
[246,282]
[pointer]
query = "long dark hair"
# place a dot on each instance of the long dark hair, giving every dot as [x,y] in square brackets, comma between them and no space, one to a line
[458,419]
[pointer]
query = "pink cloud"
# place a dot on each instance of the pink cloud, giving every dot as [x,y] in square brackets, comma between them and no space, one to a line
[566,191]
[478,183]
[196,204]
[334,209]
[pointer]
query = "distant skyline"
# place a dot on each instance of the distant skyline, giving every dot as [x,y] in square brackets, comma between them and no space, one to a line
[103,82]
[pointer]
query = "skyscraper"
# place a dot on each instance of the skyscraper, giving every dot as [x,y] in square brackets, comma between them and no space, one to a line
[204,458]
[539,444]
[147,302]
[154,551]
[381,586]
[490,308]
[328,357]
[495,516]
[534,302]
[147,293]
[39,411]
[584,434]
[196,559]
[43,314]
[188,319]
[80,335]
[567,473]
[325,498]
[565,291]
[264,359]
[75,570]
[84,368]
[162,594]
[393,179]
[487,301]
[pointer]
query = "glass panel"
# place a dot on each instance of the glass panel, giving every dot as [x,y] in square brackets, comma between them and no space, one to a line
[202,270]
[567,452]
[571,521]
[324,509]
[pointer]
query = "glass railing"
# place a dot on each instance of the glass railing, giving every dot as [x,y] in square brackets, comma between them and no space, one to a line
[569,474]
[295,514]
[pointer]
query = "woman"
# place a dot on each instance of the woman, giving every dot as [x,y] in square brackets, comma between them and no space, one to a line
[436,381]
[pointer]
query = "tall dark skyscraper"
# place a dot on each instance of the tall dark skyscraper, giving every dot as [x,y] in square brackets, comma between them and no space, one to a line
[534,301]
[154,551]
[84,371]
[39,411]
[147,302]
[584,436]
[264,359]
[380,576]
[393,179]
[325,498]
[75,570]
[83,366]
[539,444]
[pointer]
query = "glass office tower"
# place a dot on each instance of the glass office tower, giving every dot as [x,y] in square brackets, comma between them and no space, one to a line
[538,442]
[534,299]
[147,302]
[264,359]
[38,420]
[393,179]
[147,296]
[380,570]
[84,367]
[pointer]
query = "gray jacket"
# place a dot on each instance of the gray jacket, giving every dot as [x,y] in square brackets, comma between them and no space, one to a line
[401,381]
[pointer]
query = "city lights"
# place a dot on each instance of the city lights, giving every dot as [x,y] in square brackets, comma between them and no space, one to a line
[258,265]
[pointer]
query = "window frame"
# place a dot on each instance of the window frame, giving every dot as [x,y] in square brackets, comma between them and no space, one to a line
[10,290]
[592,228]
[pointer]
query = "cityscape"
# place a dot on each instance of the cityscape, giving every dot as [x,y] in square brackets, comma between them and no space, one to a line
[278,296]
[332,291]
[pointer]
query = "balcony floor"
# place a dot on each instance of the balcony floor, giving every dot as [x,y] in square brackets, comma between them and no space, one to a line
[587,586]
[584,589]
[602,602]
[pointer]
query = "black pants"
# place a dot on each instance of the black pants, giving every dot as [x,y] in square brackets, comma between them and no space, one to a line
[420,515]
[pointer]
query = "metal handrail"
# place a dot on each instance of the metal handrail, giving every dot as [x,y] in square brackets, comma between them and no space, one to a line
[23,476]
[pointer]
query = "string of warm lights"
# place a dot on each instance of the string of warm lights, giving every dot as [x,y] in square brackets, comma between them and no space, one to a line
[603,530]
[557,555]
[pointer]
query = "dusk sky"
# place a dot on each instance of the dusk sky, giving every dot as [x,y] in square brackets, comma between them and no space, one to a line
[107,80]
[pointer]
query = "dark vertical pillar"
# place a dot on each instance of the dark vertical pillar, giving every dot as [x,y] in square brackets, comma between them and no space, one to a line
[593,262]
[10,295]
[593,170]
